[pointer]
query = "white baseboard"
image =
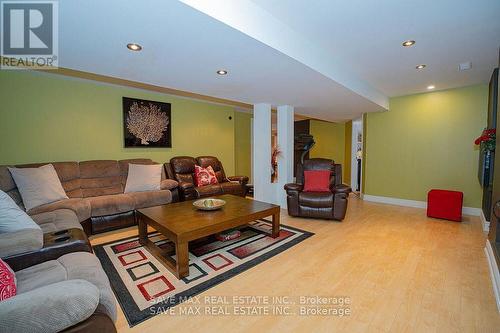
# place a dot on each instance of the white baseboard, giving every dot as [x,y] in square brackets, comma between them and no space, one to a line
[415,203]
[484,223]
[494,272]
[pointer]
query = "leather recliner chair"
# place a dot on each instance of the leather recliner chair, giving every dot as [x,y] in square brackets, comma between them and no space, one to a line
[182,169]
[323,205]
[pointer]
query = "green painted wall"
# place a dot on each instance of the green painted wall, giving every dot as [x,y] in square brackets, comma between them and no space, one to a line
[426,141]
[330,141]
[48,117]
[242,144]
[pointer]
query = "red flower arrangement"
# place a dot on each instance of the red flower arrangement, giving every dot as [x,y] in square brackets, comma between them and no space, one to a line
[487,139]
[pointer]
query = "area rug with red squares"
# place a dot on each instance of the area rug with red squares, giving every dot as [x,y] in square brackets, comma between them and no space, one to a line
[142,284]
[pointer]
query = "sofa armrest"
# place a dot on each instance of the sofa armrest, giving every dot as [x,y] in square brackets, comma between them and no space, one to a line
[168,184]
[187,191]
[293,187]
[243,180]
[186,186]
[340,189]
[51,308]
[21,241]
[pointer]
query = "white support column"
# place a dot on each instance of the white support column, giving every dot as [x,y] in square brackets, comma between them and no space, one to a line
[263,189]
[285,144]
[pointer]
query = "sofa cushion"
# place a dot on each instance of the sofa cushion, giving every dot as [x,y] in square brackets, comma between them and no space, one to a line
[151,198]
[40,275]
[21,241]
[51,308]
[316,199]
[183,168]
[57,220]
[100,178]
[232,188]
[205,191]
[81,207]
[143,178]
[86,266]
[38,186]
[110,204]
[71,266]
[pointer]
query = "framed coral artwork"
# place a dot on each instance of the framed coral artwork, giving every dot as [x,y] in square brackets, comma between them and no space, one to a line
[146,123]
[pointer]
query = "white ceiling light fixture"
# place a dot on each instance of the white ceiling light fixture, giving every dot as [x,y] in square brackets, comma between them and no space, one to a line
[222,72]
[421,66]
[408,43]
[430,87]
[134,47]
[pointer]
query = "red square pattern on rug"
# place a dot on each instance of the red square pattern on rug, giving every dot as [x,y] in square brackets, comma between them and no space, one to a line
[214,262]
[444,204]
[155,288]
[130,258]
[126,246]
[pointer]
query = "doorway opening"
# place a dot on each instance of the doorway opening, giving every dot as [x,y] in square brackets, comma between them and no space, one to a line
[357,156]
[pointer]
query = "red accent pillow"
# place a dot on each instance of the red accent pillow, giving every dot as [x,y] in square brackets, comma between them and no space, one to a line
[7,281]
[317,181]
[205,176]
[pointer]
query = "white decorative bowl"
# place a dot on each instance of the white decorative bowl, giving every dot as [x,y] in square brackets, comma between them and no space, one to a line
[209,204]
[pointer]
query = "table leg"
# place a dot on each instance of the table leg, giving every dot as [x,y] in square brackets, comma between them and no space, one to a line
[143,231]
[182,262]
[276,225]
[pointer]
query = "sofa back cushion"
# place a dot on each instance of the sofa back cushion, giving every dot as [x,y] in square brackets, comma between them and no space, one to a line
[316,164]
[100,177]
[183,168]
[38,186]
[205,161]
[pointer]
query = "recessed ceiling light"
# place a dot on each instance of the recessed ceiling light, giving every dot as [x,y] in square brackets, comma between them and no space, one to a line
[134,47]
[408,43]
[222,72]
[421,66]
[430,87]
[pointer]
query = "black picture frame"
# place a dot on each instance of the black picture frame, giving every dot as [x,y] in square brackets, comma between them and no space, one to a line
[146,124]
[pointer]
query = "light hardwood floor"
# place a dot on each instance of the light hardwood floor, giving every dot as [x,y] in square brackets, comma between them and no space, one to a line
[402,271]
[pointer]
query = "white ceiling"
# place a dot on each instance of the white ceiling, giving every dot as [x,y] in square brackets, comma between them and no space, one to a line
[366,35]
[330,60]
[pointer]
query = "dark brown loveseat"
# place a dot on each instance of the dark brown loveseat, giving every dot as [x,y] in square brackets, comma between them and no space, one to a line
[323,205]
[182,169]
[95,190]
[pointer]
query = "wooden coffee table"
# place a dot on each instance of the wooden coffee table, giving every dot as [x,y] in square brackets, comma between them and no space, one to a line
[181,223]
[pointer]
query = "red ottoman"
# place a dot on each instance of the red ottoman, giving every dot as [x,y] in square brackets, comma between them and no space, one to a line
[443,204]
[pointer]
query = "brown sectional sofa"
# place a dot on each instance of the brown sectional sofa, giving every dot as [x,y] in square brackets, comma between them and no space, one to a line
[95,190]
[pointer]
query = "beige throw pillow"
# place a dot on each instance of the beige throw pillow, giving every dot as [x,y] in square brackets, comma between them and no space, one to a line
[143,178]
[38,186]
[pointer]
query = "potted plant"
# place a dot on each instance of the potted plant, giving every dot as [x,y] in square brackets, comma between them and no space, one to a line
[487,143]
